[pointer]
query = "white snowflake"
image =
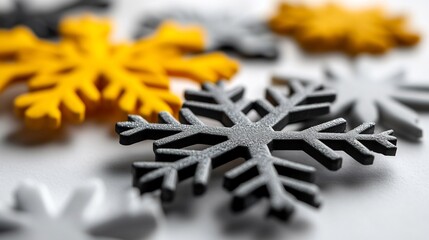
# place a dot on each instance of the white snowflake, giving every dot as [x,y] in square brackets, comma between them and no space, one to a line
[83,217]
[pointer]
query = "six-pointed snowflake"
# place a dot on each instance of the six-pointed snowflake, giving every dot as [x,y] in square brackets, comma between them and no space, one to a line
[44,23]
[243,34]
[82,218]
[262,175]
[86,69]
[390,100]
[330,27]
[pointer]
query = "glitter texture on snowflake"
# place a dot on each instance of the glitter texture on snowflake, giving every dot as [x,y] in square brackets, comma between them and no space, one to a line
[330,27]
[244,35]
[390,100]
[44,23]
[86,69]
[262,174]
[82,218]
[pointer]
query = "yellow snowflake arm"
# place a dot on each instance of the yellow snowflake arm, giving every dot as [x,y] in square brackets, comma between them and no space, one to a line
[68,97]
[171,36]
[288,18]
[403,36]
[86,26]
[19,42]
[13,41]
[132,96]
[10,72]
[210,67]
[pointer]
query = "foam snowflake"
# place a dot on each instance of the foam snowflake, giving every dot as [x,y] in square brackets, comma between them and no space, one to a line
[81,218]
[244,35]
[262,175]
[85,68]
[44,23]
[331,27]
[389,100]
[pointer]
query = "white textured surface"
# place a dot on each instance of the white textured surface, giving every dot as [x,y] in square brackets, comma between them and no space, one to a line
[388,200]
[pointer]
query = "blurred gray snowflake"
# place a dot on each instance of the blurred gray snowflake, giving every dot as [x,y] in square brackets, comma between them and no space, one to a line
[239,33]
[390,100]
[44,23]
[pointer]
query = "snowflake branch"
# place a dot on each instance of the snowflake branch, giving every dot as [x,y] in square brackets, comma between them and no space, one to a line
[137,129]
[305,102]
[322,140]
[279,180]
[217,103]
[150,176]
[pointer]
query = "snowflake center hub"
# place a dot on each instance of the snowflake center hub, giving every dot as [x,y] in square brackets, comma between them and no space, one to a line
[251,134]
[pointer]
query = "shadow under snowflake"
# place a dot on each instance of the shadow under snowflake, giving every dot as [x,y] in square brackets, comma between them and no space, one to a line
[261,175]
[79,219]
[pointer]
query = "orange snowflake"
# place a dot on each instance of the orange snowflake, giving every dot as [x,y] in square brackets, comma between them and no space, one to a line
[85,68]
[331,27]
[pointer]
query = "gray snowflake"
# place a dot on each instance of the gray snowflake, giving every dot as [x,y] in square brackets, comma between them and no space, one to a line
[35,218]
[389,100]
[262,175]
[225,31]
[44,23]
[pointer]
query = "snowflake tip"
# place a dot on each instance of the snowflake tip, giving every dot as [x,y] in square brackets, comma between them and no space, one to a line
[130,131]
[150,176]
[281,205]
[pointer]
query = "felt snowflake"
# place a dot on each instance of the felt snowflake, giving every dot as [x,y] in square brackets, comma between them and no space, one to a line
[331,27]
[85,69]
[262,174]
[81,218]
[244,35]
[44,23]
[15,40]
[390,100]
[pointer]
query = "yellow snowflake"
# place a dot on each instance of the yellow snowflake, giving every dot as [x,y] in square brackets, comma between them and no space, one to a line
[331,27]
[85,69]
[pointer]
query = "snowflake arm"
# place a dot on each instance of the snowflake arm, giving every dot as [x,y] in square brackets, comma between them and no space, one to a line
[401,117]
[320,142]
[209,67]
[43,108]
[262,175]
[414,95]
[13,41]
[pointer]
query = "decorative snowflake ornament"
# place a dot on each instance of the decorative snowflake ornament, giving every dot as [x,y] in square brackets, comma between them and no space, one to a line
[331,27]
[85,69]
[390,100]
[44,23]
[82,218]
[261,175]
[243,35]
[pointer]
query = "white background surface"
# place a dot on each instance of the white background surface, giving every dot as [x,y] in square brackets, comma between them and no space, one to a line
[388,200]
